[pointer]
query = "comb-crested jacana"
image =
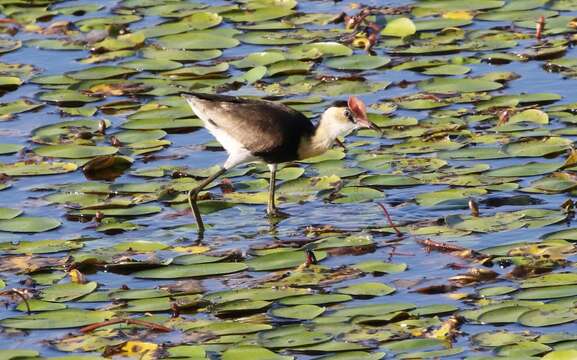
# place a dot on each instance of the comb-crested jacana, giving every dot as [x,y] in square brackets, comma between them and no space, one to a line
[261,130]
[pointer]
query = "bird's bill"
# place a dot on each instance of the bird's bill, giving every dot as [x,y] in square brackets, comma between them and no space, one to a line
[359,110]
[366,123]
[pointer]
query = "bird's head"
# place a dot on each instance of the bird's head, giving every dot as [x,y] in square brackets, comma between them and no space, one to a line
[344,117]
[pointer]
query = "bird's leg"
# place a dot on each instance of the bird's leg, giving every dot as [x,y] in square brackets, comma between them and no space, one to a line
[271,208]
[193,197]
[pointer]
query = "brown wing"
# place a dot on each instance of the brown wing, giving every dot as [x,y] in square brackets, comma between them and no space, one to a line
[267,129]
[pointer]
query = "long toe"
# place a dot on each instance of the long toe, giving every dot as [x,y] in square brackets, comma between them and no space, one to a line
[277,214]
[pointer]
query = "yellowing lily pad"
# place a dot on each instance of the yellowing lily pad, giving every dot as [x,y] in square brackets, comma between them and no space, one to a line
[399,27]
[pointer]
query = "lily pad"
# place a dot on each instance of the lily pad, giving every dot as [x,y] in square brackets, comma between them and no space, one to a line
[455,86]
[252,352]
[60,319]
[298,312]
[186,271]
[67,292]
[399,27]
[281,260]
[25,224]
[71,151]
[367,289]
[358,62]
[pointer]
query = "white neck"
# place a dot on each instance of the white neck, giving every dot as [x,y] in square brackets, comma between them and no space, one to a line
[330,127]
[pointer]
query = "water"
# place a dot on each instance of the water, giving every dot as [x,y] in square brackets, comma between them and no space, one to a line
[245,226]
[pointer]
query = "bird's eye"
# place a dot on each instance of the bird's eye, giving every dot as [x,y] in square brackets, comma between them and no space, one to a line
[349,115]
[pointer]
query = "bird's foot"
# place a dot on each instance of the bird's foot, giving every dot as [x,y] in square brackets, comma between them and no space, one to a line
[276,214]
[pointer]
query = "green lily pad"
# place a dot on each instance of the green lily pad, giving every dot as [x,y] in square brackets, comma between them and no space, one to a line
[9,213]
[357,62]
[24,224]
[6,149]
[367,289]
[186,271]
[531,115]
[130,211]
[449,69]
[71,151]
[354,355]
[298,312]
[67,97]
[556,279]
[325,49]
[504,315]
[315,299]
[252,352]
[34,169]
[187,351]
[289,67]
[100,72]
[59,319]
[8,110]
[297,339]
[201,40]
[258,59]
[499,338]
[389,180]
[40,246]
[376,266]
[357,194]
[452,86]
[439,197]
[180,55]
[549,292]
[561,355]
[258,15]
[535,147]
[281,260]
[151,65]
[399,27]
[547,317]
[528,169]
[15,354]
[67,292]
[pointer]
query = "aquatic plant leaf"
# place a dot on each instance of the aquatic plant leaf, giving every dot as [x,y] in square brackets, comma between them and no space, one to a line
[367,289]
[281,260]
[71,151]
[357,62]
[188,271]
[28,224]
[59,319]
[298,312]
[67,292]
[252,352]
[399,27]
[453,86]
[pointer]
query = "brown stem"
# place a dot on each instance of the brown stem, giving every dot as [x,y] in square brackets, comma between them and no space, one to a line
[439,246]
[20,295]
[146,324]
[390,220]
[540,27]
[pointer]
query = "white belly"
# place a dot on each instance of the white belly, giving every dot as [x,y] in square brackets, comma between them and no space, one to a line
[237,153]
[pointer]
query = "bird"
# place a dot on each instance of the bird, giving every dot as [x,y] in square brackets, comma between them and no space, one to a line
[261,130]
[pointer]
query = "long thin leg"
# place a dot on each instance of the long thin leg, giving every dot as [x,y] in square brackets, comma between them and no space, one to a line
[271,208]
[193,197]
